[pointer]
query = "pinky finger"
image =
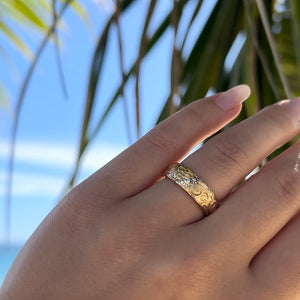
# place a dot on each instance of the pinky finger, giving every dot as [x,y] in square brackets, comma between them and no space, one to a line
[277,266]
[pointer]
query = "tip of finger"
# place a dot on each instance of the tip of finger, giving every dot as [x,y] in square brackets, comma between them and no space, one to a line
[233,97]
[243,91]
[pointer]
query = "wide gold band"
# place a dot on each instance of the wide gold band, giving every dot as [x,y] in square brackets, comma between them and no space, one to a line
[194,186]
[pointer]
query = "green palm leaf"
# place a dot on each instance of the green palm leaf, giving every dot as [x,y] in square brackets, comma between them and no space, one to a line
[268,58]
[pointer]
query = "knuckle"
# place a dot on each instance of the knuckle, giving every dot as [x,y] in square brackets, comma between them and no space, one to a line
[165,138]
[275,114]
[193,112]
[229,153]
[287,187]
[162,141]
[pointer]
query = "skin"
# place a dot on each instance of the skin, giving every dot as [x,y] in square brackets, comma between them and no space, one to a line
[129,233]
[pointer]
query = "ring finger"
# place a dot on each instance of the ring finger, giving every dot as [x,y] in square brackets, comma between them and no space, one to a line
[223,162]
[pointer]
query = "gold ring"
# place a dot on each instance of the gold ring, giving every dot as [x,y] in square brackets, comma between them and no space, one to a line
[194,186]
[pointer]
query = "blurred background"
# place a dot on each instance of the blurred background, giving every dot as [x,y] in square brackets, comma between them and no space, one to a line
[82,80]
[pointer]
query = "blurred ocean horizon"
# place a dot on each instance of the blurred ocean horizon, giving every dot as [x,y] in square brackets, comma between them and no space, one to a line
[7,256]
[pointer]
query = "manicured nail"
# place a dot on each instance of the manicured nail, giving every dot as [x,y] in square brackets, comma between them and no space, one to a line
[293,107]
[233,97]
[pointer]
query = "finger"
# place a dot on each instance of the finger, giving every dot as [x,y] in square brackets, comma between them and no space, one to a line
[259,208]
[279,262]
[223,162]
[232,155]
[143,163]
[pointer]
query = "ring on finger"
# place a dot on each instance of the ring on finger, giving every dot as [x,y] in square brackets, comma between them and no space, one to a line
[194,186]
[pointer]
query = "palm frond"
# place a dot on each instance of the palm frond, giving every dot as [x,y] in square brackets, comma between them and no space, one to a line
[267,58]
[268,30]
[11,35]
[95,69]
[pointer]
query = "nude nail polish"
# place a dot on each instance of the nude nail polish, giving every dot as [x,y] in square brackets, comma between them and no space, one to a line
[293,107]
[231,98]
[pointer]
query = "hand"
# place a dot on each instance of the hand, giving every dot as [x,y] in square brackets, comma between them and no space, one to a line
[128,233]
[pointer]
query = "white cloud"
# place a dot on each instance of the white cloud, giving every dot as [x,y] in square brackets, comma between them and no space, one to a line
[52,157]
[58,155]
[29,184]
[40,174]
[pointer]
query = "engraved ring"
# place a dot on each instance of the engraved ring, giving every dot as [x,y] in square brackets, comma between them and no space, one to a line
[194,186]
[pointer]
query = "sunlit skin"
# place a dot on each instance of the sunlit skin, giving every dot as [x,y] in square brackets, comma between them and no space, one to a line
[129,233]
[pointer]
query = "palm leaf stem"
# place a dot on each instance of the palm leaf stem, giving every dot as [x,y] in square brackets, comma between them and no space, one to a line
[191,22]
[176,60]
[95,70]
[121,60]
[19,105]
[142,49]
[151,43]
[267,28]
[295,11]
[92,135]
[262,58]
[57,52]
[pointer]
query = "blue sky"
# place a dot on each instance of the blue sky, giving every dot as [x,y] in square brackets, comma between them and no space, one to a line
[49,125]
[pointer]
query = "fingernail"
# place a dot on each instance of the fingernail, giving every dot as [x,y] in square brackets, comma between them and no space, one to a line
[293,107]
[231,98]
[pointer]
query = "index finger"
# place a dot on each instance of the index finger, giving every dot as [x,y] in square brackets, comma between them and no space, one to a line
[143,163]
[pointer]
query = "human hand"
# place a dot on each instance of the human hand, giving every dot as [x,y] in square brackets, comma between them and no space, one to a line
[128,233]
